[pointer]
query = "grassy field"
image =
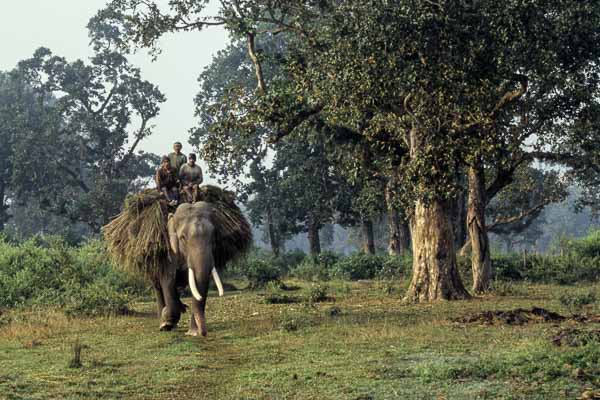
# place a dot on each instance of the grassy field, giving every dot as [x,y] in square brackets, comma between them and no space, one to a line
[362,343]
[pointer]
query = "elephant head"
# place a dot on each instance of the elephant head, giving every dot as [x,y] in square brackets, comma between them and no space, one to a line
[192,242]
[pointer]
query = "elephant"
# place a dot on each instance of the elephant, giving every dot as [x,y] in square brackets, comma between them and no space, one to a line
[176,247]
[192,238]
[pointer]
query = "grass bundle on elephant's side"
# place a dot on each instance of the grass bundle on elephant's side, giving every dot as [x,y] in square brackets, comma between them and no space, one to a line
[233,232]
[137,238]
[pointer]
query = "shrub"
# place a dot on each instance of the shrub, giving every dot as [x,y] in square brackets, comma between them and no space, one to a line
[309,270]
[47,271]
[259,272]
[291,259]
[317,293]
[98,298]
[588,246]
[576,302]
[358,266]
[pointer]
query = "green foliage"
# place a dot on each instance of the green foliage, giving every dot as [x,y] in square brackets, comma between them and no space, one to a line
[365,266]
[74,150]
[588,246]
[48,272]
[309,270]
[317,293]
[577,301]
[507,288]
[257,271]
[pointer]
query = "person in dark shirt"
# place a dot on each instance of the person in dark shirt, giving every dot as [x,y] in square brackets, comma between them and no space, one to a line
[167,182]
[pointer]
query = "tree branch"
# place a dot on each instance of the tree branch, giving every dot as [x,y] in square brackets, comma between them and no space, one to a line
[262,87]
[138,138]
[496,225]
[511,96]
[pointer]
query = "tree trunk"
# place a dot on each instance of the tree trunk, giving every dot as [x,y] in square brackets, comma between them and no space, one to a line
[313,238]
[481,263]
[3,207]
[435,274]
[399,233]
[459,219]
[273,240]
[368,236]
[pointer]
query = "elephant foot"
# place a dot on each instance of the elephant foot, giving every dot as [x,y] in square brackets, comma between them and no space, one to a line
[166,327]
[168,320]
[192,332]
[195,332]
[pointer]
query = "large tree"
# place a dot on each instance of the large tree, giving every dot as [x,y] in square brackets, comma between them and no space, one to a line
[81,157]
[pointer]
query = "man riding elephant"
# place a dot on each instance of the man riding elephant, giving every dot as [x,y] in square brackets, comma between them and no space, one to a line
[190,176]
[177,158]
[167,182]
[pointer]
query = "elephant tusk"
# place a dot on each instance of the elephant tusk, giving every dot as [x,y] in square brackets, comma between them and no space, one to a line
[217,279]
[193,286]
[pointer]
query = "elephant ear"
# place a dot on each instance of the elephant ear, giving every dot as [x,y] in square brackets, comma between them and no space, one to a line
[173,239]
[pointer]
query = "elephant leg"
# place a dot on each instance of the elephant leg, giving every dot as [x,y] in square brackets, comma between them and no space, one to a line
[160,300]
[172,310]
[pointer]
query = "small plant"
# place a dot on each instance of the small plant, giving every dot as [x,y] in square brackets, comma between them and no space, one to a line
[75,361]
[278,298]
[386,287]
[507,288]
[317,293]
[288,323]
[576,302]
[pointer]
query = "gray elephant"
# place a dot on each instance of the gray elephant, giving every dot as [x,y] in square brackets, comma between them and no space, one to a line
[186,247]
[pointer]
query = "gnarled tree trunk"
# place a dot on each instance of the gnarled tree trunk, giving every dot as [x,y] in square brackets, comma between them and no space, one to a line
[481,263]
[368,237]
[435,274]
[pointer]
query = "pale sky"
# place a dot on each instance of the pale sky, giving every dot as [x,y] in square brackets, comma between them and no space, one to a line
[60,25]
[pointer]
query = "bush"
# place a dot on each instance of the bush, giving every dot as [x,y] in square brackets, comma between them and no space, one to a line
[576,302]
[258,272]
[47,271]
[309,269]
[358,266]
[317,293]
[588,246]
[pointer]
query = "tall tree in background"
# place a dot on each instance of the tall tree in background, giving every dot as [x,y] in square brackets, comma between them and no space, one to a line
[82,159]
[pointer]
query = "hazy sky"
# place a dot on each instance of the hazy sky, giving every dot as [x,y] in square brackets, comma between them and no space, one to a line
[60,25]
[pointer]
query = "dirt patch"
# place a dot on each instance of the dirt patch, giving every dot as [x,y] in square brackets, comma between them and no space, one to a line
[519,316]
[574,337]
[522,316]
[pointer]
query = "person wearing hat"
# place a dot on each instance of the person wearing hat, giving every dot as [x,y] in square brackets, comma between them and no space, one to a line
[177,159]
[191,178]
[167,181]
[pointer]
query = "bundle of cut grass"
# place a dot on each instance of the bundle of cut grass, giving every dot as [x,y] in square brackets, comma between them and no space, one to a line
[233,232]
[138,241]
[137,238]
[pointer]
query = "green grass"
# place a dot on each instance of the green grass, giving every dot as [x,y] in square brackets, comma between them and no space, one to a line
[372,347]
